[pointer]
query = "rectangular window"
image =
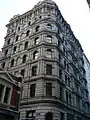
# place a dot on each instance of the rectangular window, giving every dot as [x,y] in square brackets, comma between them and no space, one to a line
[32,90]
[7,93]
[26,45]
[66,97]
[49,69]
[49,89]
[1,91]
[34,70]
[30,115]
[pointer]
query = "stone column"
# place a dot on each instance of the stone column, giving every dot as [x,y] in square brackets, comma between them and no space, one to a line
[65,116]
[3,95]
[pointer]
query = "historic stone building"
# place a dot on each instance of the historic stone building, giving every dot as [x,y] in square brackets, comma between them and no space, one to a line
[87,69]
[41,46]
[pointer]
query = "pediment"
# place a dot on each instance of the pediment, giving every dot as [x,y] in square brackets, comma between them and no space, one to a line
[5,76]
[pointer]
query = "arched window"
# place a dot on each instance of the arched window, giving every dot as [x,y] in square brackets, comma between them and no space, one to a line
[49,26]
[48,116]
[29,23]
[3,65]
[37,28]
[36,40]
[24,59]
[49,53]
[14,49]
[27,33]
[6,52]
[17,37]
[12,62]
[49,38]
[35,55]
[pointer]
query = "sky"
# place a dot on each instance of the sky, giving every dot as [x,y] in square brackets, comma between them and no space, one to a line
[75,12]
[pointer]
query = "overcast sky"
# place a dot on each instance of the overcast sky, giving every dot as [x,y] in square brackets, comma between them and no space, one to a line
[75,12]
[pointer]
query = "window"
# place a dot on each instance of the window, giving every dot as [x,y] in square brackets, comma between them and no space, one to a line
[26,45]
[8,42]
[49,26]
[6,52]
[18,29]
[49,89]
[32,90]
[49,39]
[64,64]
[24,59]
[49,53]
[22,72]
[14,49]
[12,62]
[48,116]
[30,115]
[20,47]
[34,70]
[61,116]
[35,55]
[61,95]
[60,74]
[69,82]
[29,23]
[36,40]
[7,94]
[49,69]
[37,28]
[66,97]
[66,79]
[1,91]
[27,33]
[17,37]
[3,65]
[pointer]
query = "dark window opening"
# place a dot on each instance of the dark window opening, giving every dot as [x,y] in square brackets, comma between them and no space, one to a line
[27,33]
[49,69]
[22,72]
[26,45]
[32,90]
[24,59]
[36,40]
[34,70]
[3,65]
[8,41]
[17,37]
[7,93]
[48,116]
[6,52]
[61,95]
[35,55]
[1,91]
[37,28]
[12,62]
[18,28]
[14,50]
[29,23]
[49,89]
[61,116]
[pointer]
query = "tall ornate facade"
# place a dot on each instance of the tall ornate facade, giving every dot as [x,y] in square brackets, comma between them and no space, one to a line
[41,46]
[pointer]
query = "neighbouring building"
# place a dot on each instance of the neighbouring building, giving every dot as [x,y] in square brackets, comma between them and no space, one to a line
[87,69]
[10,87]
[41,46]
